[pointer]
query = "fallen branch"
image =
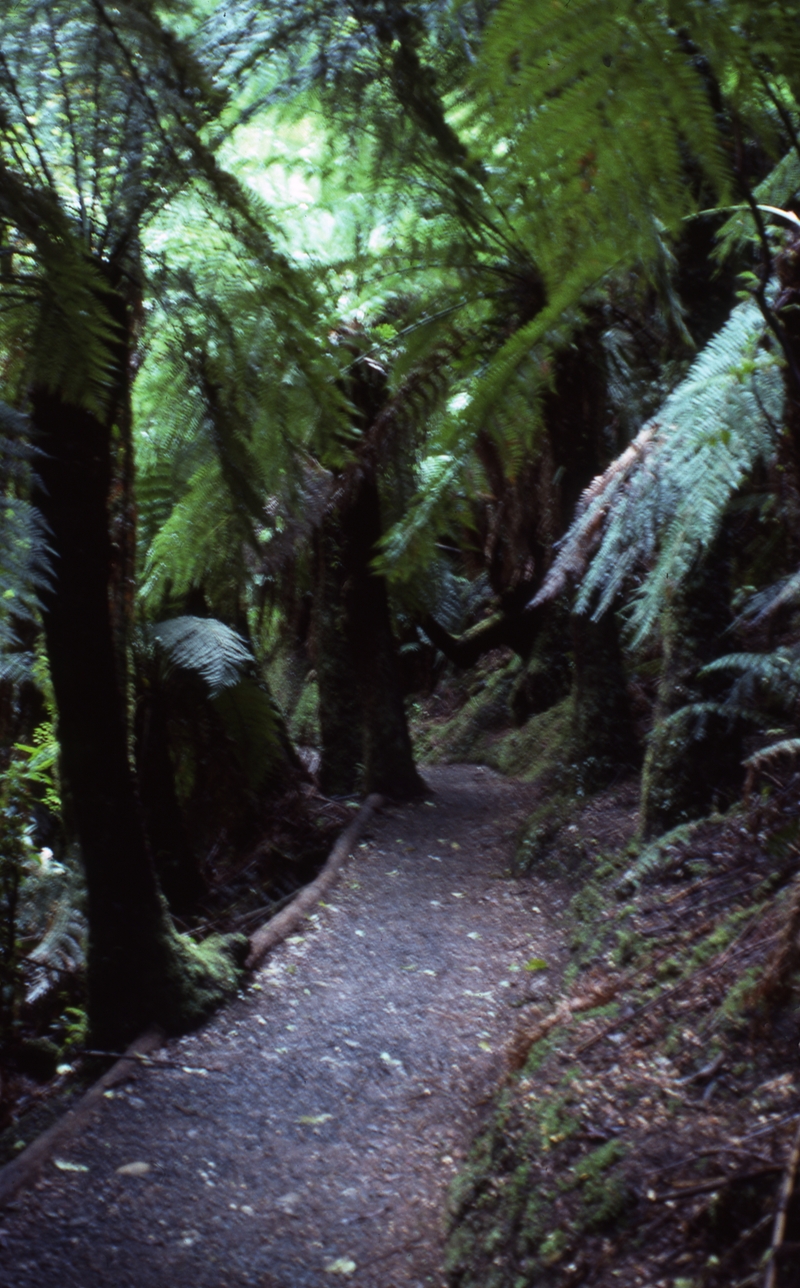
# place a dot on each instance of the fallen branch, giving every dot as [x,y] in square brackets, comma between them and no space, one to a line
[520,1046]
[277,928]
[22,1170]
[705,1187]
[151,1062]
[787,1188]
[709,1153]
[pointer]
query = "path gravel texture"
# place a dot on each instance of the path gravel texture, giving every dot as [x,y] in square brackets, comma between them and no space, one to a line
[308,1135]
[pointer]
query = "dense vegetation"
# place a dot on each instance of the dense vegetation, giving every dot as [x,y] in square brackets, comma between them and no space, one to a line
[343,345]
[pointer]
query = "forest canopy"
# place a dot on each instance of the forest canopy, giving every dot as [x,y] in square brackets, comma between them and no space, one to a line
[343,345]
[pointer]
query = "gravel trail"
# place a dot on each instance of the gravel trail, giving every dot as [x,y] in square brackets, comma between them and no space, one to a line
[307,1136]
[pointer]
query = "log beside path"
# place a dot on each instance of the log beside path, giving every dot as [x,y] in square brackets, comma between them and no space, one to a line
[309,1133]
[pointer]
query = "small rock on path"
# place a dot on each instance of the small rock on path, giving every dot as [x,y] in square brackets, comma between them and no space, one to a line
[308,1135]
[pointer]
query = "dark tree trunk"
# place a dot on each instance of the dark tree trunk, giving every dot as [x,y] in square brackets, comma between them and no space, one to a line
[365,738]
[139,970]
[388,757]
[690,759]
[340,714]
[547,677]
[177,866]
[353,610]
[602,731]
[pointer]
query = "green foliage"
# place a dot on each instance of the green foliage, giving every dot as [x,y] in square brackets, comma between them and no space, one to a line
[762,676]
[253,722]
[27,775]
[76,1027]
[766,687]
[236,392]
[657,856]
[204,646]
[660,505]
[209,650]
[24,563]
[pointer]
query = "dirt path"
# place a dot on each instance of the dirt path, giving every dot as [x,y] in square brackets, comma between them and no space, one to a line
[308,1135]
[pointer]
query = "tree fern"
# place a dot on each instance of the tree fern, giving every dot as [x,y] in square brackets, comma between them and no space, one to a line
[765,604]
[209,650]
[206,647]
[235,390]
[661,503]
[602,97]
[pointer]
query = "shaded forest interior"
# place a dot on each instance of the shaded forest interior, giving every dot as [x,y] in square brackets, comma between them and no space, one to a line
[391,383]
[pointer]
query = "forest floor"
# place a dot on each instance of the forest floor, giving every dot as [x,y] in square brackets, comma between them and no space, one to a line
[453,1075]
[313,1129]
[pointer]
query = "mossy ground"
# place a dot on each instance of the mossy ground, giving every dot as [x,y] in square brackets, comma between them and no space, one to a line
[644,1138]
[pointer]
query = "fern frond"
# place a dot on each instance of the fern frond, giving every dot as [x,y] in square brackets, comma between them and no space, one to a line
[52,922]
[220,658]
[596,103]
[661,503]
[252,720]
[410,545]
[206,647]
[762,676]
[658,856]
[779,189]
[763,606]
[768,755]
[24,554]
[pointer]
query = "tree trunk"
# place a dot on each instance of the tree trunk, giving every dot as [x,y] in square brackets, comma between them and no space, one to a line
[602,732]
[547,676]
[177,866]
[787,307]
[362,713]
[388,757]
[340,711]
[139,970]
[690,758]
[348,546]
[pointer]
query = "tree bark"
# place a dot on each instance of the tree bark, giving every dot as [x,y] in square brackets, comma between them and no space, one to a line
[139,970]
[690,759]
[340,711]
[386,753]
[388,757]
[602,732]
[498,631]
[177,866]
[362,712]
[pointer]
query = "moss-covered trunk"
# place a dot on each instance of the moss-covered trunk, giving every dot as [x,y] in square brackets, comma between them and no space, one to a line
[691,758]
[139,970]
[547,676]
[602,732]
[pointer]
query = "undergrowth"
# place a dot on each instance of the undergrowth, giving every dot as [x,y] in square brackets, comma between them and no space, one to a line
[640,1133]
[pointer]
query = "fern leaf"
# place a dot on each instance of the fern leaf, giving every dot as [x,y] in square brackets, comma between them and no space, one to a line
[661,503]
[658,856]
[206,647]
